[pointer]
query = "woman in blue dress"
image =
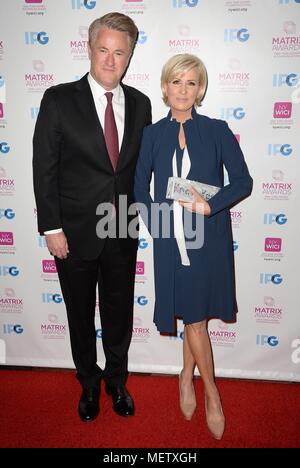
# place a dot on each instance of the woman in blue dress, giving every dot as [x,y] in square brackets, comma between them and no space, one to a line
[192,281]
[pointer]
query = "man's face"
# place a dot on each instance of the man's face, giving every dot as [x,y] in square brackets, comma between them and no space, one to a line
[109,55]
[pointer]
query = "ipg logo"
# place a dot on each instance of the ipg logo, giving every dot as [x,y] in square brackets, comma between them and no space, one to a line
[285,2]
[8,270]
[283,79]
[42,241]
[279,149]
[235,246]
[267,340]
[88,4]
[270,218]
[184,3]
[140,300]
[143,244]
[99,333]
[11,328]
[32,38]
[142,37]
[232,35]
[4,147]
[50,297]
[274,278]
[7,213]
[228,113]
[34,112]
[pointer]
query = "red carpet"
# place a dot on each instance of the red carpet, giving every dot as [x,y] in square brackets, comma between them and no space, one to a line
[39,409]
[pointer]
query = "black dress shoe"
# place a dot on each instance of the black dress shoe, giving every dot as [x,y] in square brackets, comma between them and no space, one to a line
[88,407]
[122,402]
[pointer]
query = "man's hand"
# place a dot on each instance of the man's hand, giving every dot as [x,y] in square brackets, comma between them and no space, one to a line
[199,205]
[57,245]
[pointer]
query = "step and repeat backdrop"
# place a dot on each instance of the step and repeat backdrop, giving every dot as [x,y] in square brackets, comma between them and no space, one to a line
[251,49]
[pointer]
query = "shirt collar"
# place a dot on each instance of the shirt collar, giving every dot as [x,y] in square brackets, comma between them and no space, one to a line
[99,91]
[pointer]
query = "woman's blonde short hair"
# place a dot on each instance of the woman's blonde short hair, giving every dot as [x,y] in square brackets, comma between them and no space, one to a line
[182,63]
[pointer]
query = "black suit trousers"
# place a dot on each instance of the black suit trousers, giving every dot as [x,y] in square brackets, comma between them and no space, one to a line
[114,272]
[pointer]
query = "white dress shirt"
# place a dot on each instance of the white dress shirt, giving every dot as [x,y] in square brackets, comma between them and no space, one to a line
[100,100]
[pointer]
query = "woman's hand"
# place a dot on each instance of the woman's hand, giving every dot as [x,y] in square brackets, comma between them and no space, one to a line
[199,205]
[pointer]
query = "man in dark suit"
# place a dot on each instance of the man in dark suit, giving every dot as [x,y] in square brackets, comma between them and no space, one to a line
[85,149]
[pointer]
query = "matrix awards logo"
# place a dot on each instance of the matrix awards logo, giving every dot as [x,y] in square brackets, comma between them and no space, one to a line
[140,333]
[53,329]
[185,41]
[238,6]
[134,7]
[234,79]
[268,312]
[10,303]
[287,44]
[236,219]
[222,335]
[7,243]
[37,81]
[34,7]
[277,189]
[79,46]
[279,149]
[272,249]
[7,184]
[140,276]
[49,272]
[138,77]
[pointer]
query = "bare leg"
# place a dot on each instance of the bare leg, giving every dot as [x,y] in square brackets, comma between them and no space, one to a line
[186,387]
[200,348]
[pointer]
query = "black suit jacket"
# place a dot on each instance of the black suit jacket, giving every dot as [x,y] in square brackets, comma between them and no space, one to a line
[72,172]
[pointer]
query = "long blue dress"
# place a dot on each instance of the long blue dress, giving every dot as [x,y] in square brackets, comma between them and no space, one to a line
[206,288]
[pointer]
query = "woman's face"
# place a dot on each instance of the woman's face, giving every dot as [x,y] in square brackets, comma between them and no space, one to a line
[182,92]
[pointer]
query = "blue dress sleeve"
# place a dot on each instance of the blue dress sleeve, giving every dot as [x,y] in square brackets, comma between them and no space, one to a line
[143,175]
[240,181]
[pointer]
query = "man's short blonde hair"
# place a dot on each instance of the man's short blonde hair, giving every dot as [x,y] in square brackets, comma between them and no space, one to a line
[180,64]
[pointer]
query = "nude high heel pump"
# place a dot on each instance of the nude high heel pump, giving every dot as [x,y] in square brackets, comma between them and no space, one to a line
[215,422]
[187,404]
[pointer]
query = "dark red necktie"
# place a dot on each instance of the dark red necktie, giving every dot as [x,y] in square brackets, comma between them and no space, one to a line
[111,132]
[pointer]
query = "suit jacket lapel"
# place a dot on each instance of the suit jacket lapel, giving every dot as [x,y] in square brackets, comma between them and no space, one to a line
[128,128]
[91,120]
